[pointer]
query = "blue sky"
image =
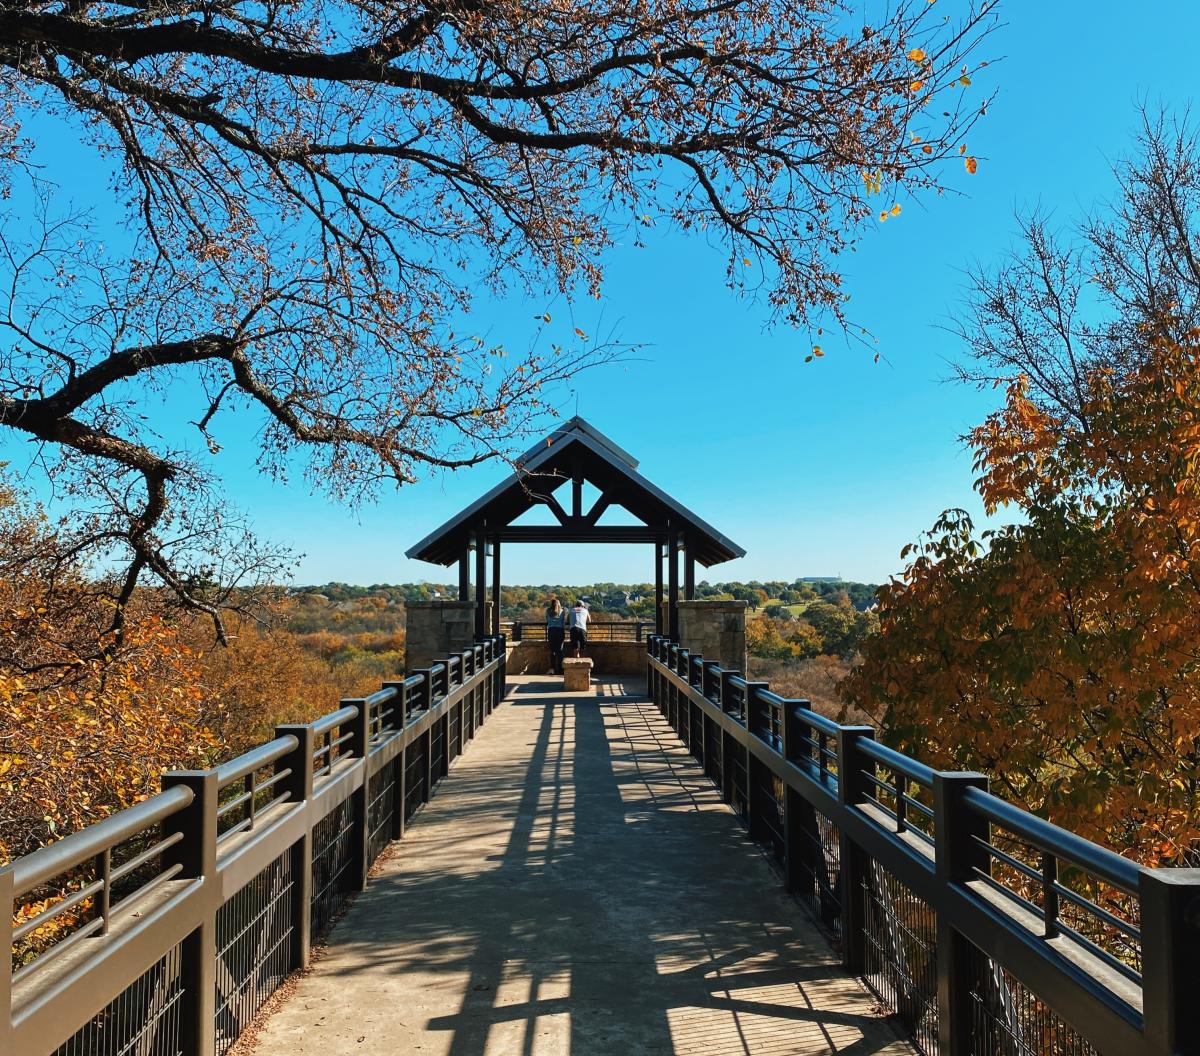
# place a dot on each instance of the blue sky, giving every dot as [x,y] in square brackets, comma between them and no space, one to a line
[816,469]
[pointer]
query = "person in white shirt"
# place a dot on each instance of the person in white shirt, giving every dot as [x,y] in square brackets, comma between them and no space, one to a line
[579,622]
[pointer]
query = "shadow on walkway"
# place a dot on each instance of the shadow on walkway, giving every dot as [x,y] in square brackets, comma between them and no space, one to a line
[576,887]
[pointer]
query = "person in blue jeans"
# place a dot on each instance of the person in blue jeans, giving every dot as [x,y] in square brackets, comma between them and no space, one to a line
[578,622]
[556,632]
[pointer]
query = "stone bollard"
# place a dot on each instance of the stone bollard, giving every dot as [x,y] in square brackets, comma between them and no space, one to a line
[577,674]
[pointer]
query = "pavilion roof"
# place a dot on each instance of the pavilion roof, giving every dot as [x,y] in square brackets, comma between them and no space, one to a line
[576,451]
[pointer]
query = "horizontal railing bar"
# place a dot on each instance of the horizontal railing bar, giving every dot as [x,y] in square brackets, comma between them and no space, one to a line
[335,718]
[256,759]
[897,762]
[58,949]
[1088,906]
[136,862]
[1010,860]
[1063,844]
[48,862]
[817,722]
[50,912]
[234,803]
[918,806]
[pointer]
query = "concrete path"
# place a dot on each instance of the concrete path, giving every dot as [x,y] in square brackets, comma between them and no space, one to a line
[575,888]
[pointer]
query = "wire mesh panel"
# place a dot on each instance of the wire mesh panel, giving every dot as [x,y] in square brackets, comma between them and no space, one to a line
[333,855]
[1008,1019]
[900,953]
[438,751]
[735,776]
[766,791]
[712,749]
[381,809]
[254,944]
[414,778]
[457,718]
[144,1019]
[818,872]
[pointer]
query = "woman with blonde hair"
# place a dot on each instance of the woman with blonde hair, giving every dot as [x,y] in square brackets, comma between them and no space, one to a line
[556,633]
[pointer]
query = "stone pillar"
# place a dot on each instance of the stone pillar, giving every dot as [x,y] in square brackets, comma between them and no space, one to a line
[435,628]
[716,630]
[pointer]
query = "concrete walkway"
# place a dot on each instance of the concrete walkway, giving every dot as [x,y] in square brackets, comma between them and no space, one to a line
[575,888]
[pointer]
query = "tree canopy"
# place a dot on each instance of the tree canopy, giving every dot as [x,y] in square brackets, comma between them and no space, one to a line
[310,196]
[1059,653]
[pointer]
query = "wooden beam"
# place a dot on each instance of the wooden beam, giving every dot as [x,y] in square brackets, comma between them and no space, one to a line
[581,533]
[577,496]
[597,511]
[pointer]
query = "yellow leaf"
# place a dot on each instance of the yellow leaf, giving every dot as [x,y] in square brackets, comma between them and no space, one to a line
[927,149]
[896,209]
[917,55]
[916,86]
[965,81]
[972,165]
[746,261]
[882,217]
[817,350]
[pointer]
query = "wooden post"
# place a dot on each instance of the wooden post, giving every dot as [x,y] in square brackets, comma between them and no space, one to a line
[689,575]
[658,589]
[958,857]
[853,788]
[196,853]
[1170,903]
[673,585]
[480,585]
[496,585]
[299,786]
[464,575]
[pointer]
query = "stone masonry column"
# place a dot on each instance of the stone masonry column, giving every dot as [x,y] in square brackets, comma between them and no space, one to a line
[435,628]
[716,630]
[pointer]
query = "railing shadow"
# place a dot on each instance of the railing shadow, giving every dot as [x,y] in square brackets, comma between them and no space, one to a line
[624,912]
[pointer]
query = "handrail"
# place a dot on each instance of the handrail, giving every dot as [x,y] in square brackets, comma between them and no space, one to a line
[255,759]
[115,888]
[335,719]
[1098,975]
[1062,843]
[897,762]
[56,858]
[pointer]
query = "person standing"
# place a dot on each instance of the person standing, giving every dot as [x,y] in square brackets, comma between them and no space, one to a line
[579,623]
[556,630]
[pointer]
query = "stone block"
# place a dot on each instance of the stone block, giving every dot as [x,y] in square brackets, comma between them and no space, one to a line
[716,630]
[577,674]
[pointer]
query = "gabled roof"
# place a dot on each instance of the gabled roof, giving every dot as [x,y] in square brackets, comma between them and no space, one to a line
[575,449]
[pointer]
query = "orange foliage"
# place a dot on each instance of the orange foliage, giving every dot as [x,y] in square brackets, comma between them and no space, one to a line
[1062,654]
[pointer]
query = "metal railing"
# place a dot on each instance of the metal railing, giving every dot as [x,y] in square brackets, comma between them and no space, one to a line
[164,928]
[985,930]
[598,630]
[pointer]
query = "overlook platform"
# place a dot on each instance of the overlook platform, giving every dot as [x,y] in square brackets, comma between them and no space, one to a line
[576,887]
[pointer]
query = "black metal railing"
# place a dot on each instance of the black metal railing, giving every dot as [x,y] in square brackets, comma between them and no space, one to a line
[164,928]
[598,630]
[983,929]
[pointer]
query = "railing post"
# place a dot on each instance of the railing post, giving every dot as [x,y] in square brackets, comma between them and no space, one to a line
[299,787]
[196,853]
[799,817]
[853,788]
[959,858]
[1170,910]
[398,707]
[724,695]
[360,807]
[7,909]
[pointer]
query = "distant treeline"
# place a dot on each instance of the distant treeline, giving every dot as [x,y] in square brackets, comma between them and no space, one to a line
[627,600]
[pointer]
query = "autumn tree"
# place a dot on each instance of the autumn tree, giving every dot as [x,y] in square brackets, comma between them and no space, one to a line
[1060,653]
[311,196]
